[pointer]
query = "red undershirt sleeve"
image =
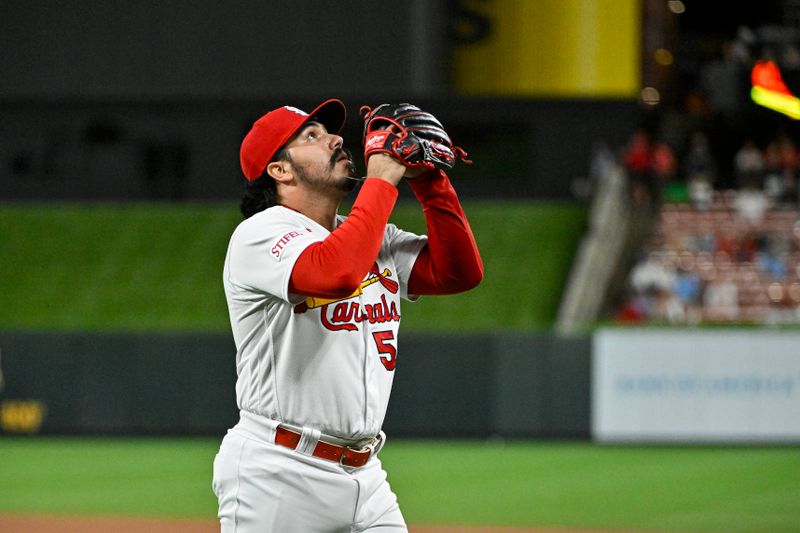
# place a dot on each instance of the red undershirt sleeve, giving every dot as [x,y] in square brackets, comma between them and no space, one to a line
[334,267]
[450,262]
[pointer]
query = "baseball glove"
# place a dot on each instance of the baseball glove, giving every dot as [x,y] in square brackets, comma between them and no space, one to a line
[420,141]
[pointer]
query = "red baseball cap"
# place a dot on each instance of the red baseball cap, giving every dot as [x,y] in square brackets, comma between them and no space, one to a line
[273,130]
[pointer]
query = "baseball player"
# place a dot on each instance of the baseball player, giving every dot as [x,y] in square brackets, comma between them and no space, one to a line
[314,302]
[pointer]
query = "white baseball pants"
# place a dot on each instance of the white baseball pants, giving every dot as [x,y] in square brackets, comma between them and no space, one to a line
[265,488]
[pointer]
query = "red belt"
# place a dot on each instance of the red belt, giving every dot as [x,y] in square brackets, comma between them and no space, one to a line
[325,450]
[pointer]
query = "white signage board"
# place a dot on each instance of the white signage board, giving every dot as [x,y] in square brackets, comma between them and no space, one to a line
[715,385]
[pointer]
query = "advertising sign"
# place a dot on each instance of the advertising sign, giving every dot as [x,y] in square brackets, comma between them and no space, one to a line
[696,386]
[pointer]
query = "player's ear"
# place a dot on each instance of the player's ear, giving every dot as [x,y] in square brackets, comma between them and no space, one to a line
[280,171]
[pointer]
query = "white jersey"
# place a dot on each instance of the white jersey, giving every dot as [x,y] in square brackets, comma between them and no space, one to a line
[313,362]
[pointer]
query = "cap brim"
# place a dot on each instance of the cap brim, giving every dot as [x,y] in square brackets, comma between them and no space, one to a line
[331,114]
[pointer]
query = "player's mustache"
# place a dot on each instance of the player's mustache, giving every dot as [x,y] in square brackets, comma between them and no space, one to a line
[339,152]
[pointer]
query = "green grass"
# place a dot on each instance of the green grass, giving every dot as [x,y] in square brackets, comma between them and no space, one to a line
[703,489]
[157,267]
[587,486]
[129,477]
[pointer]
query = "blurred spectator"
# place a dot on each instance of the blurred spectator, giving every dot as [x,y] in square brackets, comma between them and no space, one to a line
[748,163]
[700,170]
[773,173]
[701,193]
[705,240]
[771,264]
[721,298]
[789,164]
[668,308]
[751,202]
[699,162]
[688,286]
[653,273]
[772,256]
[635,308]
[638,160]
[727,241]
[688,290]
[663,163]
[748,248]
[782,307]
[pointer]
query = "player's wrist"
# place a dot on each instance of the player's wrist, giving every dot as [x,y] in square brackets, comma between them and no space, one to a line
[393,182]
[427,175]
[380,185]
[431,183]
[383,166]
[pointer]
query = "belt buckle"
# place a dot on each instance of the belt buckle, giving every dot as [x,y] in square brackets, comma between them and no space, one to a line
[368,448]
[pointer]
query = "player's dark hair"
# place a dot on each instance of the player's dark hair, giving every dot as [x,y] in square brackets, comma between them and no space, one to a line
[262,193]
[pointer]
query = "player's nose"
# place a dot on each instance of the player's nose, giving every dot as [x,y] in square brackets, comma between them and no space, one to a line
[334,141]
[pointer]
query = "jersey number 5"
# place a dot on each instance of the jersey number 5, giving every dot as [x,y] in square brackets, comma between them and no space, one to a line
[388,351]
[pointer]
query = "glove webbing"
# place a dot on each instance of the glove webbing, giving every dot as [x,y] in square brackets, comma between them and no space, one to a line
[389,142]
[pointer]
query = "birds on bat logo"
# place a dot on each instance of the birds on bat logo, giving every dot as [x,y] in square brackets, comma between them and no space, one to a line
[338,314]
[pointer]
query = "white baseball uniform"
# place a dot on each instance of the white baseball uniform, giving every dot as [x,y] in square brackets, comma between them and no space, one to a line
[321,367]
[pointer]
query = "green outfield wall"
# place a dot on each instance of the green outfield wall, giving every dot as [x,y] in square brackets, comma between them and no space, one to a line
[172,384]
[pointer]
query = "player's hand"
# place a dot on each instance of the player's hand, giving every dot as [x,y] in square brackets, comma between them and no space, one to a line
[385,167]
[382,165]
